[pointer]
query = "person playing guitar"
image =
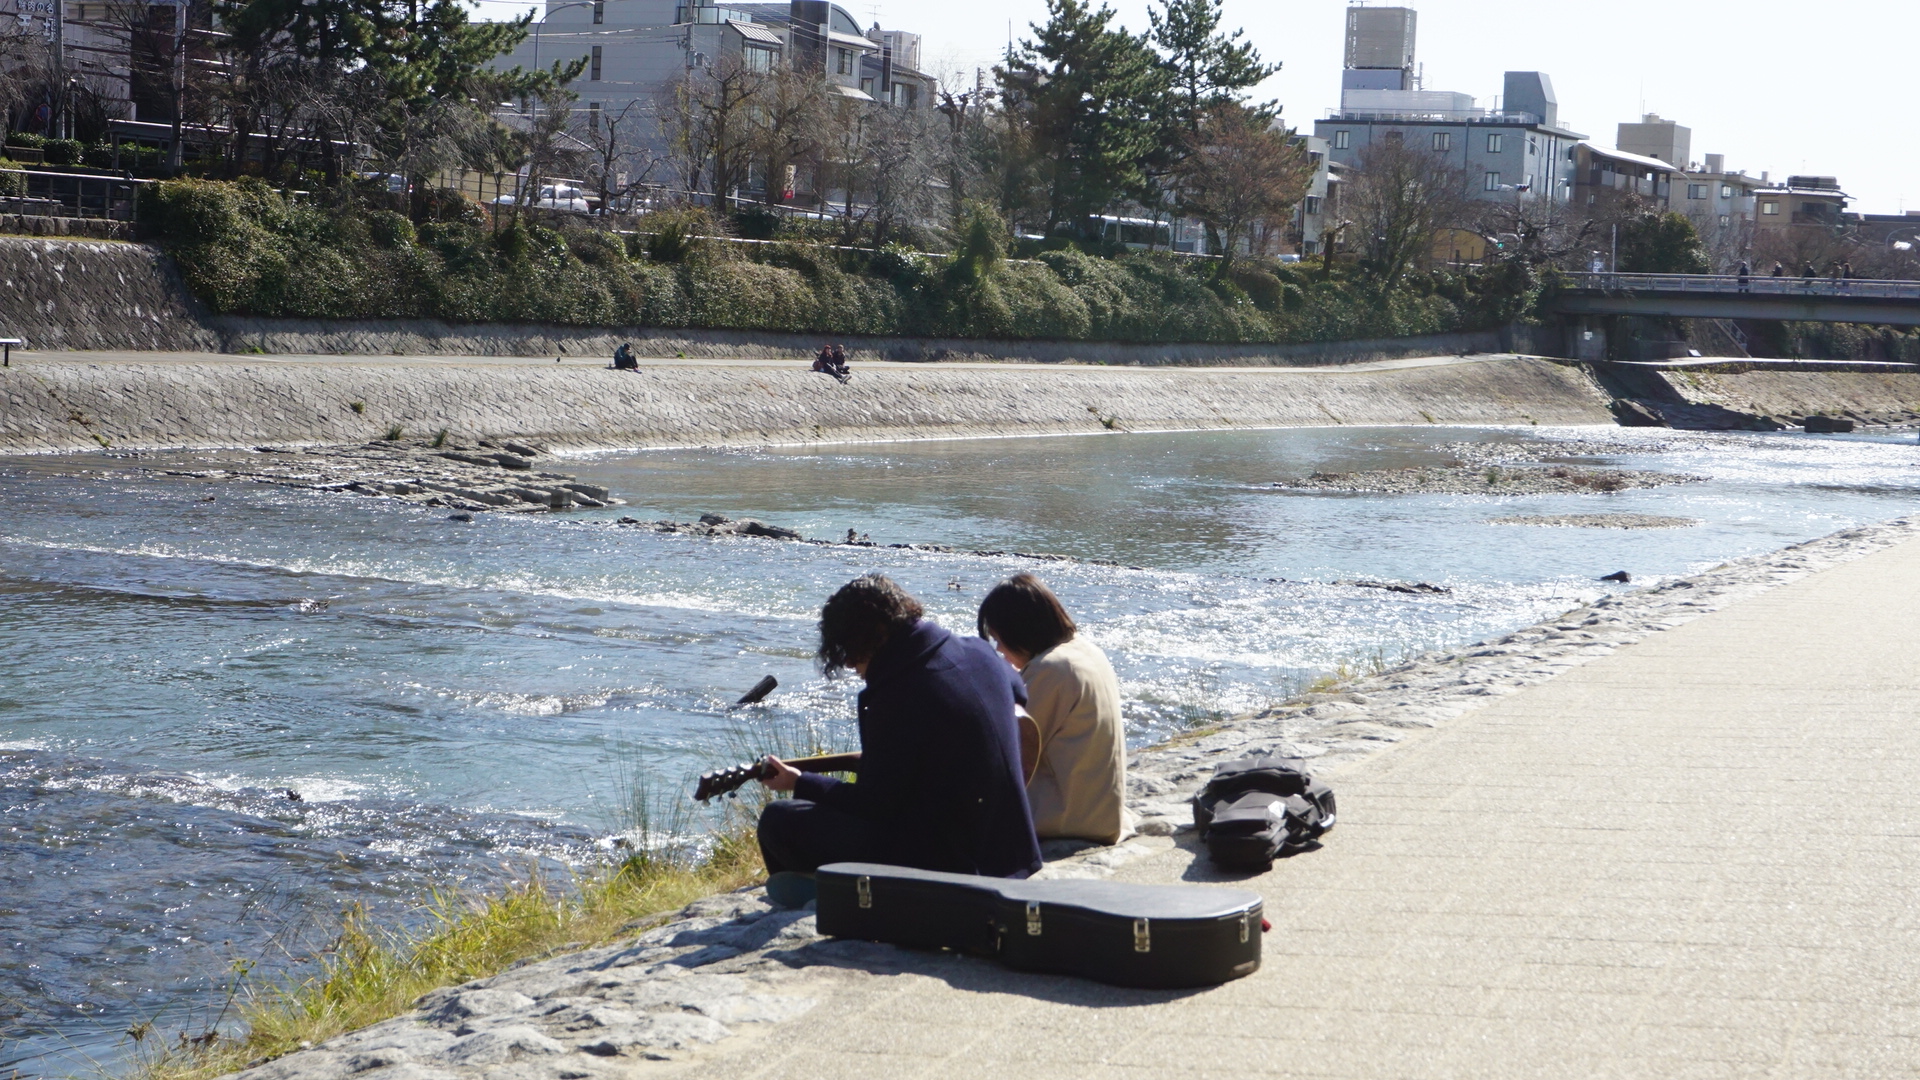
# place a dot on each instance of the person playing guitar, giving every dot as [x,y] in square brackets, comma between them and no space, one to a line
[941,785]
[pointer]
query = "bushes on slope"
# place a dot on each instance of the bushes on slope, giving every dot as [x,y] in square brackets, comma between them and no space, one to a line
[246,249]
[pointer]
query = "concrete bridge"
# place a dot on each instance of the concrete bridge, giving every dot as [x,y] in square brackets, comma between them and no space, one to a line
[1710,296]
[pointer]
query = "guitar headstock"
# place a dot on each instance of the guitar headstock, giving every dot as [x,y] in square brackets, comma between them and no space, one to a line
[726,781]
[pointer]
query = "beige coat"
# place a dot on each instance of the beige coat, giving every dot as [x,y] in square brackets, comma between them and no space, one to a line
[1079,790]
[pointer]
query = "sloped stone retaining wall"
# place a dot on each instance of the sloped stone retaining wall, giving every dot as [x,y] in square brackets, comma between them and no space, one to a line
[69,406]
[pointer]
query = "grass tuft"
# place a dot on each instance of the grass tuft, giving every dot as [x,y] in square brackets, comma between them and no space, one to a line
[368,974]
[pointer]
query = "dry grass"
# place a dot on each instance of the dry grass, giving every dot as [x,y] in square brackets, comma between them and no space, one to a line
[369,975]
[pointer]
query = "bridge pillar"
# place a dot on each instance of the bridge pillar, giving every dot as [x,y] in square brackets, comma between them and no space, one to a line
[1586,337]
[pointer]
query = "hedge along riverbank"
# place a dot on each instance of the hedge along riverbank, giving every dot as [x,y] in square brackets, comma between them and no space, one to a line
[246,250]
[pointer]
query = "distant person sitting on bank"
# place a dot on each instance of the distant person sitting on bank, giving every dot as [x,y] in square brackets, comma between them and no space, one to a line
[623,358]
[939,784]
[826,364]
[1079,788]
[840,367]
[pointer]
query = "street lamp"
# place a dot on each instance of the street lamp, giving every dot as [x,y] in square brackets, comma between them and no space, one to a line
[543,22]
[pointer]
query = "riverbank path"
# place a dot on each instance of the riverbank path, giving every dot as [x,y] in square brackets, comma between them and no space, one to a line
[120,358]
[1694,857]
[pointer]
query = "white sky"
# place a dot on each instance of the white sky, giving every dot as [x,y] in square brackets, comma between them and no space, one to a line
[1777,86]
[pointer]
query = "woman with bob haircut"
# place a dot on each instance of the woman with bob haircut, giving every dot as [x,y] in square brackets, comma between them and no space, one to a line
[1079,788]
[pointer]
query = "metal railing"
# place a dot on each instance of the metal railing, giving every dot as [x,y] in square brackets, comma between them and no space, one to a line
[69,195]
[1755,284]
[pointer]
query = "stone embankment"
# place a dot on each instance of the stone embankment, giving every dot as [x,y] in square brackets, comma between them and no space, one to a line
[78,406]
[733,965]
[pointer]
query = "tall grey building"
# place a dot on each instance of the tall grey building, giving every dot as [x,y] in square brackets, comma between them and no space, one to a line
[1518,150]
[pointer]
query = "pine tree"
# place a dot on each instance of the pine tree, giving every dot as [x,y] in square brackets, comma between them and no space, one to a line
[1206,67]
[1093,97]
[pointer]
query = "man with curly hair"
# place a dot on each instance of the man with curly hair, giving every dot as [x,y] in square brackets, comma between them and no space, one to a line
[940,784]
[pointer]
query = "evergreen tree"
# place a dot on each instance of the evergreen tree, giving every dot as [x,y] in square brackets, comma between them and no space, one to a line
[1655,243]
[1206,68]
[1092,96]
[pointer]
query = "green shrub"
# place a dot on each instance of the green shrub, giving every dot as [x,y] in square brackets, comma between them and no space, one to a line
[390,230]
[63,151]
[246,248]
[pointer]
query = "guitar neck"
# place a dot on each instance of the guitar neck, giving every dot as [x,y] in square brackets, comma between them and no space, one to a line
[828,763]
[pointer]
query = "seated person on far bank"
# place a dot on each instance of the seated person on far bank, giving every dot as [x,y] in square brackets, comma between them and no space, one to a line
[940,785]
[1079,788]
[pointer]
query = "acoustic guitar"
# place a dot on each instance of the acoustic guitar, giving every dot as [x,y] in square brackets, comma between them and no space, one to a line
[726,781]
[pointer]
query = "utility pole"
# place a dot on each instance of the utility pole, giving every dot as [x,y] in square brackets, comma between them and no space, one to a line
[60,61]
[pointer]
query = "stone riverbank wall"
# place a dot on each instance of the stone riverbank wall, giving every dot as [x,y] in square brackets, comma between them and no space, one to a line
[78,405]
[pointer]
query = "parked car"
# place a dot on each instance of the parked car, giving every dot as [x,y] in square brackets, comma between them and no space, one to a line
[554,197]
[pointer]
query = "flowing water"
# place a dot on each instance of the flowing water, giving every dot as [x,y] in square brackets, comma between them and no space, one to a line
[457,703]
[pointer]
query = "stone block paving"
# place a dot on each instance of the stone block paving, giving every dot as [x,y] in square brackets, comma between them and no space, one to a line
[1693,857]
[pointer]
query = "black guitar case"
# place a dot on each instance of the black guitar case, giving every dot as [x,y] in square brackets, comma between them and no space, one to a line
[1158,936]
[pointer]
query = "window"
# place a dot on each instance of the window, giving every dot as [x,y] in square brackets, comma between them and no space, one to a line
[1726,220]
[1343,140]
[843,61]
[1314,159]
[1726,191]
[1443,141]
[758,59]
[599,12]
[594,74]
[1696,191]
[1312,205]
[1493,181]
[1496,144]
[1533,145]
[593,116]
[1396,136]
[1771,209]
[866,87]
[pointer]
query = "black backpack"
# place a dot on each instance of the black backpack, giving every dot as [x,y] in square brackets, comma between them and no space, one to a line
[1260,807]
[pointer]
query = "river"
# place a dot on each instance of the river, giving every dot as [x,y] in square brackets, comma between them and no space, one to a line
[455,703]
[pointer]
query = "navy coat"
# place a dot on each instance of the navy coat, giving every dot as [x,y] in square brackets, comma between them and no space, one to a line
[940,773]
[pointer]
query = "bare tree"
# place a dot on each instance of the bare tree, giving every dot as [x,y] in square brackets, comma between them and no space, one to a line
[899,169]
[1240,175]
[172,69]
[1538,233]
[24,68]
[1399,199]
[959,155]
[709,125]
[788,121]
[550,146]
[619,161]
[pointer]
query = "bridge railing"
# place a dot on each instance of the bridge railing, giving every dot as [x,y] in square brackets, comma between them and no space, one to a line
[1723,284]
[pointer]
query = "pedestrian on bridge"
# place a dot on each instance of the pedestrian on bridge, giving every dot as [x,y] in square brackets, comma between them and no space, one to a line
[1746,275]
[1779,270]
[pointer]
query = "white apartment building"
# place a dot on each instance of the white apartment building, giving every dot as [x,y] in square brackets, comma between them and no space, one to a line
[636,50]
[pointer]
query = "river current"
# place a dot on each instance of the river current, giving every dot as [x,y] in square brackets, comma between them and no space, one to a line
[228,712]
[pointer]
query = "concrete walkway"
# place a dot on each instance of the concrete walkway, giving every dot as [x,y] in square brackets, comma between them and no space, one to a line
[1695,857]
[860,363]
